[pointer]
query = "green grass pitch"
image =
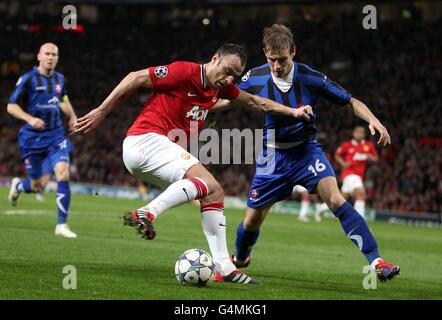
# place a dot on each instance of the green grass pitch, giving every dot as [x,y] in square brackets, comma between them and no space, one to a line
[294,260]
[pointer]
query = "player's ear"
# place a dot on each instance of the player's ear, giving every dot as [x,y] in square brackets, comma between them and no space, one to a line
[293,52]
[216,57]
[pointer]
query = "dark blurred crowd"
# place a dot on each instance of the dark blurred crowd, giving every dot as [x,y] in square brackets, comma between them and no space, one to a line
[395,70]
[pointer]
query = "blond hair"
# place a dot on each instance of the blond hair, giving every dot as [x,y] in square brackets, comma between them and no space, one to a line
[277,38]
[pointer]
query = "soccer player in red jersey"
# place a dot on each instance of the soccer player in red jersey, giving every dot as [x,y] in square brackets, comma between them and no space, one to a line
[354,155]
[183,94]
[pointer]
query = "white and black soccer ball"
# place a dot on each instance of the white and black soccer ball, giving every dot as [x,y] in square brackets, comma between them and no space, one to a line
[195,267]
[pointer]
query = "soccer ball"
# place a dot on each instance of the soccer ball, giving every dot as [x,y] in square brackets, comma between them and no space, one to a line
[195,267]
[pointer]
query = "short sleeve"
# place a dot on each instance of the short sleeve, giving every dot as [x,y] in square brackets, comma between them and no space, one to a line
[170,76]
[228,92]
[20,90]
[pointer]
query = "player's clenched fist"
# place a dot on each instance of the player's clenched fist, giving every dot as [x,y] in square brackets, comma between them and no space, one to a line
[90,121]
[36,123]
[303,112]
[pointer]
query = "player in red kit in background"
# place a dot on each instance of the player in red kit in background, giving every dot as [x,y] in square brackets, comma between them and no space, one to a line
[183,94]
[354,155]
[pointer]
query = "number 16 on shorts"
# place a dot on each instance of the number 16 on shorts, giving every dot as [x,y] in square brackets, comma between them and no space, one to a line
[319,167]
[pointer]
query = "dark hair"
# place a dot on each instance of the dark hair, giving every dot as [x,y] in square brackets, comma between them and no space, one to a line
[277,38]
[235,49]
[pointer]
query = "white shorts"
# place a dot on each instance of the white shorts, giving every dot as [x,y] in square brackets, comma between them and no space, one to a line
[299,189]
[153,158]
[351,182]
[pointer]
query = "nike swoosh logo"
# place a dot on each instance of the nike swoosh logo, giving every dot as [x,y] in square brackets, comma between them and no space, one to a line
[357,238]
[188,199]
[222,225]
[190,94]
[58,199]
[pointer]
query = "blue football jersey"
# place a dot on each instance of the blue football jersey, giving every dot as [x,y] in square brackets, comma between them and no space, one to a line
[307,87]
[40,96]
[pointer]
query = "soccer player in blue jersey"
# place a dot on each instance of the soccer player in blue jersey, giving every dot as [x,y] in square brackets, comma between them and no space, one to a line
[298,157]
[37,99]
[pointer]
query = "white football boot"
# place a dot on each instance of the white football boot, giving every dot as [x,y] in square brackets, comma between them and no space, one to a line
[63,230]
[13,193]
[303,219]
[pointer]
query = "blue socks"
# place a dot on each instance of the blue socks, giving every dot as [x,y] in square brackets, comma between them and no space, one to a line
[63,201]
[244,242]
[357,230]
[24,186]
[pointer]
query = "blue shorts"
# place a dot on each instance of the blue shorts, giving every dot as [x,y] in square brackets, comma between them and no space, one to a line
[274,180]
[48,169]
[39,162]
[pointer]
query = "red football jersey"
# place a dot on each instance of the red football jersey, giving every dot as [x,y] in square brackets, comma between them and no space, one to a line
[357,155]
[180,97]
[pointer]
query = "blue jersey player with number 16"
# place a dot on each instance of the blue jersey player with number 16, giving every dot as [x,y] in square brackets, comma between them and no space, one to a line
[298,158]
[37,99]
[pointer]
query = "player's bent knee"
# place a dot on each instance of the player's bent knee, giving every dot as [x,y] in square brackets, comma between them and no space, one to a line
[36,186]
[214,188]
[215,194]
[61,170]
[62,175]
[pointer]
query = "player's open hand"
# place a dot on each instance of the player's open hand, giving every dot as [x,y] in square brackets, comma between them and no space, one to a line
[90,121]
[384,137]
[304,113]
[36,123]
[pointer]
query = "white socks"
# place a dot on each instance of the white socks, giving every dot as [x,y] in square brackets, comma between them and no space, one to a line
[304,210]
[177,193]
[375,262]
[212,217]
[214,227]
[360,207]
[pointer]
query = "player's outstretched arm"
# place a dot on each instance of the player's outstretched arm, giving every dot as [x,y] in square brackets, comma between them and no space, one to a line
[17,112]
[267,105]
[127,86]
[362,111]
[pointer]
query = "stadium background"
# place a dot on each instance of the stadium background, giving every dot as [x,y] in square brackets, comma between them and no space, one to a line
[396,70]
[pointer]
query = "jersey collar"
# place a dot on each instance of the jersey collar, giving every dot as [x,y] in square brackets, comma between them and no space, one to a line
[290,77]
[354,142]
[37,71]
